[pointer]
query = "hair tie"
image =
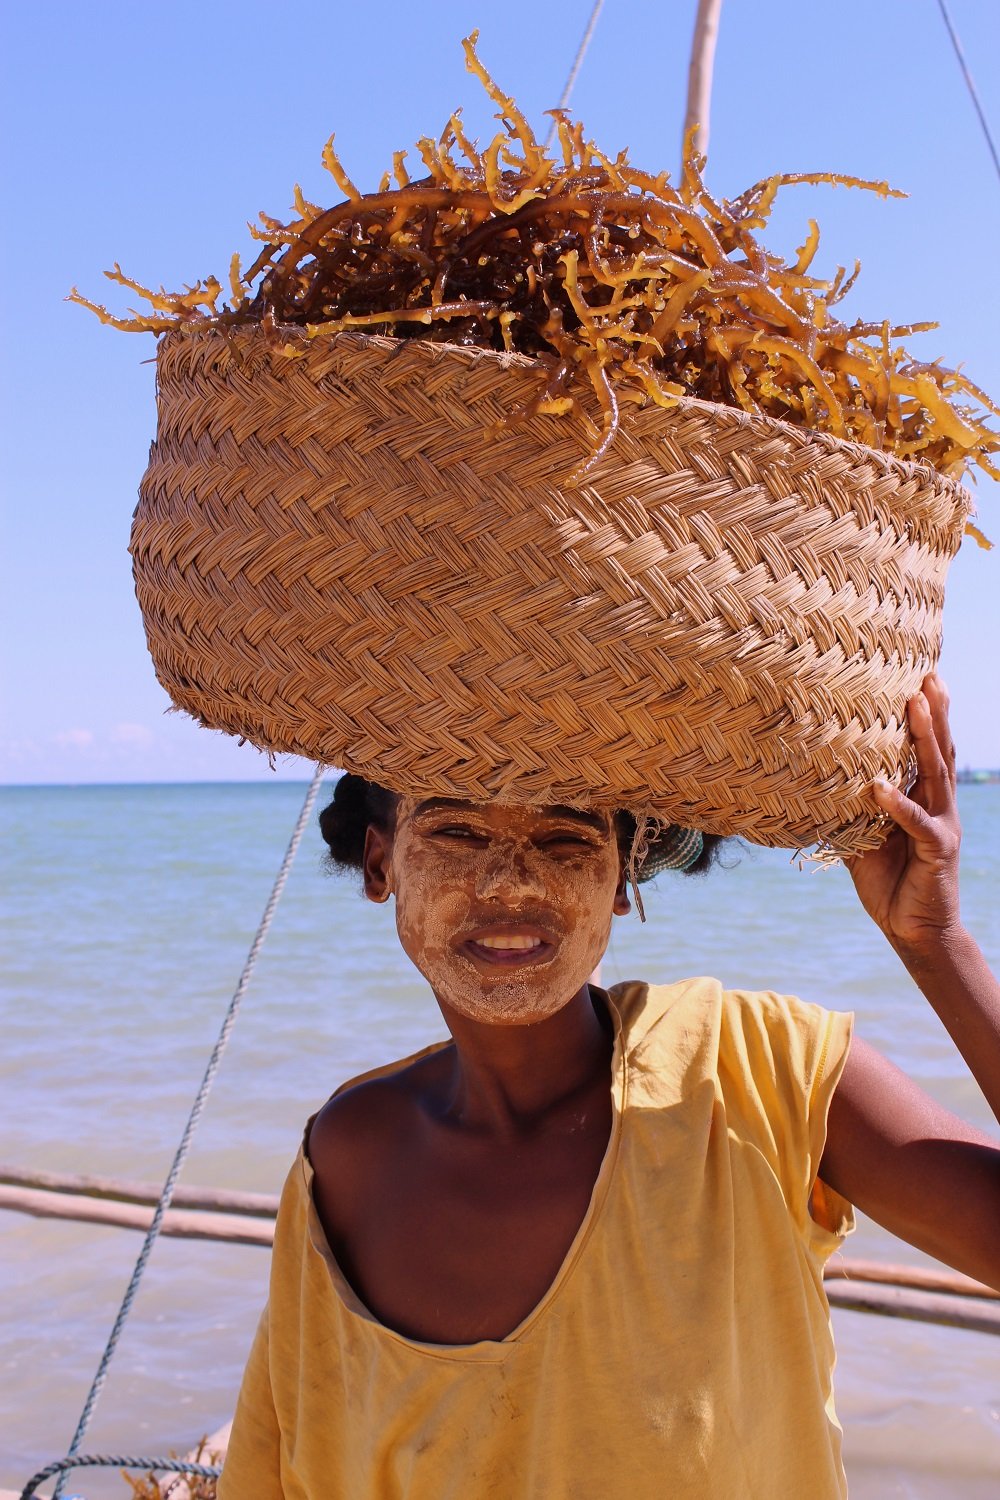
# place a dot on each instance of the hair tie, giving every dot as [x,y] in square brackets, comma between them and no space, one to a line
[677,849]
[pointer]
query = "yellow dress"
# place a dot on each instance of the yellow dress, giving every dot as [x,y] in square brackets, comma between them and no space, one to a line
[684,1350]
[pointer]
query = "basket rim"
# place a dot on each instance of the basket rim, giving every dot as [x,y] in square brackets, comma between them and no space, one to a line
[734,416]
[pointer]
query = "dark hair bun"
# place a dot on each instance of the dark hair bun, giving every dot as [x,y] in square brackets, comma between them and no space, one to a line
[344,822]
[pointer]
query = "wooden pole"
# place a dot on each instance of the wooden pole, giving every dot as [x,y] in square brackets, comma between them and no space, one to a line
[920,1278]
[178,1223]
[954,1308]
[896,1291]
[699,97]
[124,1190]
[922,1307]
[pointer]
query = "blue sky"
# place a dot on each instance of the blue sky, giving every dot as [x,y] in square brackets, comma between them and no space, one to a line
[150,133]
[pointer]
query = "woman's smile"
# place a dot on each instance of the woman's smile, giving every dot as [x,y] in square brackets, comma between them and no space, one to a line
[505,910]
[510,946]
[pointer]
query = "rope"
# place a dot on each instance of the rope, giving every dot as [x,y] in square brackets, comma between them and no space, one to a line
[189,1129]
[581,53]
[116,1461]
[969,84]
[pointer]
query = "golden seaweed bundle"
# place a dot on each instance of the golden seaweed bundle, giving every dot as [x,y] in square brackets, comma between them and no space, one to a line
[608,276]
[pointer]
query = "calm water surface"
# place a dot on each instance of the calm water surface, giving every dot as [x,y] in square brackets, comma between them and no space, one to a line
[125,926]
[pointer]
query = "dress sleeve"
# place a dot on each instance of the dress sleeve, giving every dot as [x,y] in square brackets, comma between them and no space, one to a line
[252,1464]
[780,1061]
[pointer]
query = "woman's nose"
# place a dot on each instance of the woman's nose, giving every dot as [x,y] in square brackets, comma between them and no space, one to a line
[508,872]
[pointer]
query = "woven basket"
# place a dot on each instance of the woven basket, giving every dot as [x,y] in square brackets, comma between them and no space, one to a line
[335,556]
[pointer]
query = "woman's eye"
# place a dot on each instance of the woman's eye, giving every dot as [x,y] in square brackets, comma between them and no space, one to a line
[573,841]
[452,832]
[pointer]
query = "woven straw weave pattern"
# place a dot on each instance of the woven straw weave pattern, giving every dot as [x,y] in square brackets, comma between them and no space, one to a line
[336,556]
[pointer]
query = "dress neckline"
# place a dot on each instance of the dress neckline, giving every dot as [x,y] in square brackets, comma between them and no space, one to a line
[483,1350]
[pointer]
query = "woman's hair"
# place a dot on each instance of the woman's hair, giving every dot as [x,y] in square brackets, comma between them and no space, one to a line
[356,803]
[344,822]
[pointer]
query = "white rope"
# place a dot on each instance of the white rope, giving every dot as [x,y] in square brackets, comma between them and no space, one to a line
[581,53]
[969,84]
[196,1111]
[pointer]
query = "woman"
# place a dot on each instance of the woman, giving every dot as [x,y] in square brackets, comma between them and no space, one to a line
[496,1275]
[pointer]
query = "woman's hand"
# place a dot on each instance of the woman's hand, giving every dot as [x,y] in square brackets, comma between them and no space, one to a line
[909,886]
[898,1155]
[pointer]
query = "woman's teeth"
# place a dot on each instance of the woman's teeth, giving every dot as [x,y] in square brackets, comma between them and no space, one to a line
[510,944]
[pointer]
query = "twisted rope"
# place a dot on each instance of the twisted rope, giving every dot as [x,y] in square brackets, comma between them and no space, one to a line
[116,1461]
[969,84]
[185,1142]
[577,65]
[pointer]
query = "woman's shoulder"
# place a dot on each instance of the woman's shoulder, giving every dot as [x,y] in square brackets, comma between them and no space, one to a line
[737,1035]
[643,1004]
[371,1109]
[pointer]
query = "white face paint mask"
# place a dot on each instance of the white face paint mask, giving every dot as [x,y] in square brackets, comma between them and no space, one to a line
[505,911]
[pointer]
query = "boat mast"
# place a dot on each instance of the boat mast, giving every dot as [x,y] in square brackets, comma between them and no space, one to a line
[699,97]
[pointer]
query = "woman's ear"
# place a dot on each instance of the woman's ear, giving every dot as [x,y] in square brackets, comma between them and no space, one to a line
[376,864]
[622,905]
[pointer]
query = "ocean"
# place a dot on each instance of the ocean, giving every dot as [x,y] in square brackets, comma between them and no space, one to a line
[127,917]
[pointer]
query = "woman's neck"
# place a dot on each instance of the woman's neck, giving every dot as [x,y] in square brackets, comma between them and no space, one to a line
[512,1080]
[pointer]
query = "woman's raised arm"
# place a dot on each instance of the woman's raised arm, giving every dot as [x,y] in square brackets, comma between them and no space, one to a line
[900,1157]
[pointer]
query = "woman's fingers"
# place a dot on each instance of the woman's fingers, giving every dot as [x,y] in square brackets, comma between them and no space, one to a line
[904,812]
[923,814]
[936,693]
[934,785]
[933,838]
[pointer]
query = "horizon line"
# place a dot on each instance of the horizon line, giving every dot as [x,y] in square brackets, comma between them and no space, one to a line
[37,786]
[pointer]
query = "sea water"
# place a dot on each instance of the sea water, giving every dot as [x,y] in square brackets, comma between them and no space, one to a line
[127,918]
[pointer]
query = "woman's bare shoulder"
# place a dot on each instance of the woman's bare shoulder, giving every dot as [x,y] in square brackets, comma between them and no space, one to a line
[362,1120]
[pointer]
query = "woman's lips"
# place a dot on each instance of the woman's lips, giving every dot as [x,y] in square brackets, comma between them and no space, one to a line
[509,947]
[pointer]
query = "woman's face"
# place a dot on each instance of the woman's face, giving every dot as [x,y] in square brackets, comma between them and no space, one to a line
[506,911]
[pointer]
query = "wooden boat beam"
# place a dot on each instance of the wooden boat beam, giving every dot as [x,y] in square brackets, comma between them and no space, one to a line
[925,1293]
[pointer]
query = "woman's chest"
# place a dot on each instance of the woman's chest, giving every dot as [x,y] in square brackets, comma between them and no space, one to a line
[455,1246]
